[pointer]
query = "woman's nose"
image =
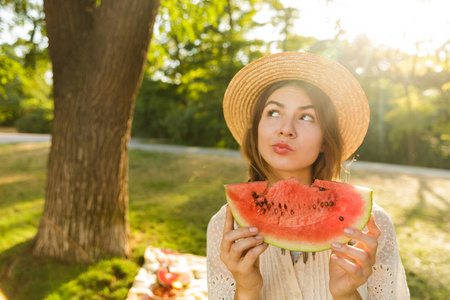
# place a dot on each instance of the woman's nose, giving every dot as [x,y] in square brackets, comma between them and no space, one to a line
[287,130]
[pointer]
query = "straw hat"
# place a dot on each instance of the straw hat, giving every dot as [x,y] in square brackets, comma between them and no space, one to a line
[336,81]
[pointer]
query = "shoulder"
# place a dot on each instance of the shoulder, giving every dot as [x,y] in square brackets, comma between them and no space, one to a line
[387,242]
[382,218]
[379,212]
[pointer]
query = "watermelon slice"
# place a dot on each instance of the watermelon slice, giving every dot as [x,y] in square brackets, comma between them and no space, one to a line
[185,278]
[298,217]
[165,278]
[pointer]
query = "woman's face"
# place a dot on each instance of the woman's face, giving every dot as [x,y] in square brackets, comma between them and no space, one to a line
[289,136]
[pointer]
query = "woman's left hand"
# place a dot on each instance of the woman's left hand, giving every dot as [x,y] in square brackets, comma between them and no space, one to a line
[351,266]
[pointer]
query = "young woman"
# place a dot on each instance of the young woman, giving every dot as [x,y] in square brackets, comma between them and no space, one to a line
[299,115]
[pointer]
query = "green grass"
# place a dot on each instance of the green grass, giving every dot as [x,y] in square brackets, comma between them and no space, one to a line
[172,198]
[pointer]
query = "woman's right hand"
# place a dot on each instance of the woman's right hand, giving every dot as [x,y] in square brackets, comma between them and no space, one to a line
[240,251]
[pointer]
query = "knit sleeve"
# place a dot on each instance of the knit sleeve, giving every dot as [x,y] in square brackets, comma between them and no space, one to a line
[388,280]
[221,284]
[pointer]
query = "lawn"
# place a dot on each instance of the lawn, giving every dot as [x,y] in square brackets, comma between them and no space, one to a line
[172,198]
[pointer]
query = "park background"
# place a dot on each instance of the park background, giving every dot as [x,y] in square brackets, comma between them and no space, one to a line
[196,48]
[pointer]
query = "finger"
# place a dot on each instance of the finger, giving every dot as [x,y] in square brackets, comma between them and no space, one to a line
[251,258]
[240,248]
[230,237]
[355,255]
[349,252]
[240,233]
[374,230]
[348,266]
[351,268]
[364,240]
[229,220]
[228,227]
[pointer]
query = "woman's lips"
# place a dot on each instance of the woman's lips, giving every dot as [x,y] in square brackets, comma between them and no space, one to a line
[282,148]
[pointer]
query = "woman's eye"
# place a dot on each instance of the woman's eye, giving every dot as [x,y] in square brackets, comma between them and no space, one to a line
[273,113]
[307,118]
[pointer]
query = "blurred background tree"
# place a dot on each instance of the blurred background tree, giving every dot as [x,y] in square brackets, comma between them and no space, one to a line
[199,45]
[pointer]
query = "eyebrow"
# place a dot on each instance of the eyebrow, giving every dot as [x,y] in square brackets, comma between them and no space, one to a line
[282,105]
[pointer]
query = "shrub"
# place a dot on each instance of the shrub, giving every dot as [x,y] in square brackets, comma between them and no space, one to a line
[36,121]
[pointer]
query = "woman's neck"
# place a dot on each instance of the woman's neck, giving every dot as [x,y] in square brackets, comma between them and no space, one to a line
[306,179]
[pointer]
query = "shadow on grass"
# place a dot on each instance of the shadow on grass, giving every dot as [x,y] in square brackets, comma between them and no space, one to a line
[21,192]
[23,276]
[425,211]
[424,187]
[422,288]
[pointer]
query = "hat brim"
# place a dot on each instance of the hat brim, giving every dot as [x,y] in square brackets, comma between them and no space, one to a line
[336,81]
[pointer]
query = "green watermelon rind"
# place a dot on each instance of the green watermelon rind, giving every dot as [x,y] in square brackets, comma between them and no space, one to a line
[314,247]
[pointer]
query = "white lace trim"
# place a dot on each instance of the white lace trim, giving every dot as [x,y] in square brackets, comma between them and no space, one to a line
[309,281]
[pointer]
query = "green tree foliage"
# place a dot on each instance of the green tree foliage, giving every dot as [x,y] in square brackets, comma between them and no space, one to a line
[199,45]
[9,105]
[25,95]
[409,103]
[408,94]
[23,91]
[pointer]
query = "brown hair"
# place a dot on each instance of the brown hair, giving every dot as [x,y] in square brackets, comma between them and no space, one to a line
[328,164]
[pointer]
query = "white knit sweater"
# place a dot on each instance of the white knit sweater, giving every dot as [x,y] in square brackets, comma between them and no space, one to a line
[284,279]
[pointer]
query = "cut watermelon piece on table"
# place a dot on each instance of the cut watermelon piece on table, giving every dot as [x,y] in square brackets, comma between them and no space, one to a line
[299,217]
[165,278]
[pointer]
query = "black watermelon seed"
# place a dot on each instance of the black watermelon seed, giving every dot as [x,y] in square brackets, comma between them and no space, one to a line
[341,218]
[255,195]
[264,211]
[285,206]
[282,213]
[269,206]
[257,203]
[279,205]
[292,211]
[321,189]
[265,200]
[331,203]
[261,203]
[321,204]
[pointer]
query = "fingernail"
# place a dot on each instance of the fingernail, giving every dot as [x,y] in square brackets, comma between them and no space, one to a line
[259,237]
[336,245]
[253,229]
[335,257]
[348,231]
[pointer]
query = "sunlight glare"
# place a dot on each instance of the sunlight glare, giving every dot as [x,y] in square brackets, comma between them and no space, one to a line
[413,26]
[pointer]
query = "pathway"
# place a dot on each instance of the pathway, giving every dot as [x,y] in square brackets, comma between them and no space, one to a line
[11,138]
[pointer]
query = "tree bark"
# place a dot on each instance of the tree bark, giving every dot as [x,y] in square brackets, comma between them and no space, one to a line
[98,54]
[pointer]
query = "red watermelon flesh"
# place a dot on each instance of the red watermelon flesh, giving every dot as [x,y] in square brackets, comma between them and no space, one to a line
[298,217]
[165,278]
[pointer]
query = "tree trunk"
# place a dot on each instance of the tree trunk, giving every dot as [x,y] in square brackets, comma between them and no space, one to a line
[98,54]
